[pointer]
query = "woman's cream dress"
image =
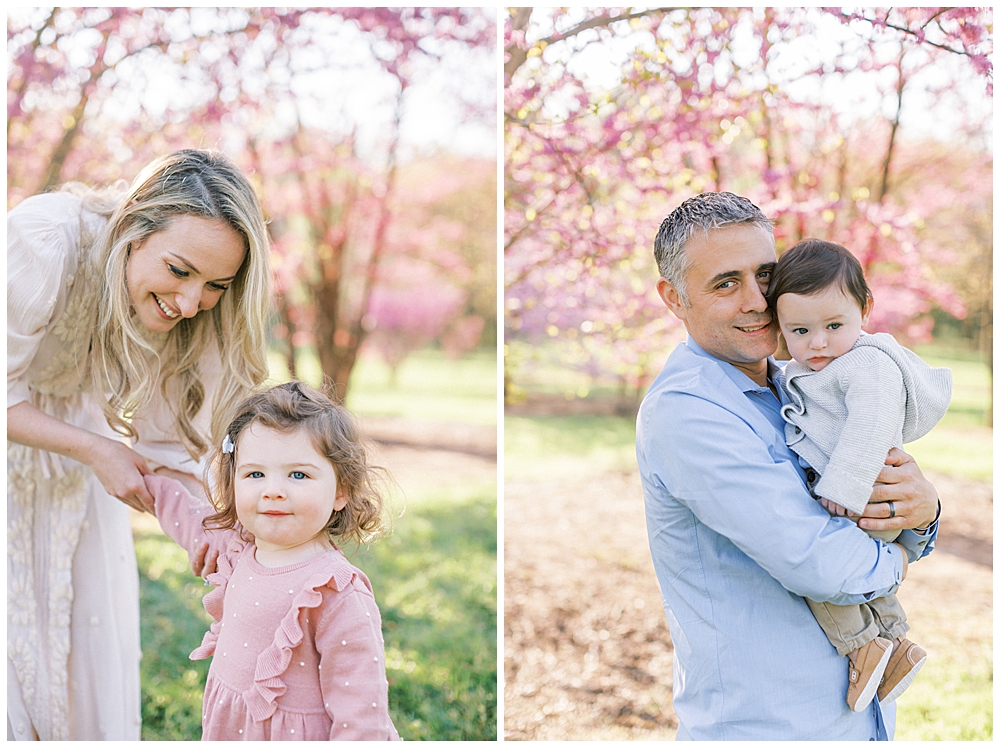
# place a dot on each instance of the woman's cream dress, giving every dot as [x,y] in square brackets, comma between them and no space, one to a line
[72,582]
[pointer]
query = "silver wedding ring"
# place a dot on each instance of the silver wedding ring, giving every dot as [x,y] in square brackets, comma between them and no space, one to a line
[892,510]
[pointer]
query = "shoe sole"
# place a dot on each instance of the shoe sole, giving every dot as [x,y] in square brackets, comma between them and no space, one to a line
[903,684]
[873,683]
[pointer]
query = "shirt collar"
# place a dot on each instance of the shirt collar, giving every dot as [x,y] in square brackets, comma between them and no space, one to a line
[741,380]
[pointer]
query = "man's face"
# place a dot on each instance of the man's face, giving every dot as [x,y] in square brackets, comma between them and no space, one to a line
[728,315]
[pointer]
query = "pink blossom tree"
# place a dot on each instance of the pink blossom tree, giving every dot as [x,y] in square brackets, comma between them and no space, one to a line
[95,93]
[706,100]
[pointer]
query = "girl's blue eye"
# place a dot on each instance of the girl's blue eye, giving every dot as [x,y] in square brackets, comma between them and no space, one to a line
[836,326]
[800,330]
[298,475]
[256,474]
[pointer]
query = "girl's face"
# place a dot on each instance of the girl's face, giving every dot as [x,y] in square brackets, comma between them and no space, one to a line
[821,326]
[286,491]
[182,270]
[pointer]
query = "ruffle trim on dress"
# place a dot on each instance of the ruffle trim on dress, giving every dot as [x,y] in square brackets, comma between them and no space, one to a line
[273,661]
[214,600]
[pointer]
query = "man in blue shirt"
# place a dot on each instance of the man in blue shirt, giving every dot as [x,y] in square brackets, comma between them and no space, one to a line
[736,539]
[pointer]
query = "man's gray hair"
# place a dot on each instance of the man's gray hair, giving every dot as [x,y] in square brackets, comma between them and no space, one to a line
[707,211]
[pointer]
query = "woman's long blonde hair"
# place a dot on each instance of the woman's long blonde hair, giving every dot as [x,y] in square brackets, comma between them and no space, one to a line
[124,363]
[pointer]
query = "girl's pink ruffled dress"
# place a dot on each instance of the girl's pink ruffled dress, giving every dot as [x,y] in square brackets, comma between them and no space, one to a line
[297,651]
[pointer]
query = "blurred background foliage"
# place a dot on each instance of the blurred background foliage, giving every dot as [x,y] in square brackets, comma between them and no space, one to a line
[870,128]
[370,135]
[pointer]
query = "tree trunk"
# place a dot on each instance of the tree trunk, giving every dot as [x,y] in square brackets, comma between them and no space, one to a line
[338,360]
[18,93]
[887,163]
[53,174]
[519,20]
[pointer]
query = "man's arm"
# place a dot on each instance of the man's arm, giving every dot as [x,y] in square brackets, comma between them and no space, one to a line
[726,473]
[915,504]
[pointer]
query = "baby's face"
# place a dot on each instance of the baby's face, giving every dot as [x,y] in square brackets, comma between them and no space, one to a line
[820,327]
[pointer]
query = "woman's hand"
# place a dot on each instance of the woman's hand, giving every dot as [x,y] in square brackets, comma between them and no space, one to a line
[902,499]
[120,470]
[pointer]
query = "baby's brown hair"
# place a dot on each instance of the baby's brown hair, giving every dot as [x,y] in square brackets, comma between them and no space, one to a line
[335,434]
[812,266]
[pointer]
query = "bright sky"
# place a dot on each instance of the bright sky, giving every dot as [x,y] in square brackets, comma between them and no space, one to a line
[937,115]
[350,91]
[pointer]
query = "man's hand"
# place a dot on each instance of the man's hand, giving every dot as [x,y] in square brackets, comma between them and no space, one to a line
[902,499]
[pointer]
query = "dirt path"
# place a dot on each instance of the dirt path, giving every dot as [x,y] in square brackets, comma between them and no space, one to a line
[587,654]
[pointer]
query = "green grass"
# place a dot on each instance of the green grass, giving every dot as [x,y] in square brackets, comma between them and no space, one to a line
[537,448]
[428,386]
[435,579]
[172,625]
[960,444]
[951,700]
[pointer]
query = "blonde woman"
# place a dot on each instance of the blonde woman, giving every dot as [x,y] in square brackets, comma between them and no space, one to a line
[134,325]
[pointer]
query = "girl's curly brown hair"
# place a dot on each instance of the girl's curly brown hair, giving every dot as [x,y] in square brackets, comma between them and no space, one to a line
[335,434]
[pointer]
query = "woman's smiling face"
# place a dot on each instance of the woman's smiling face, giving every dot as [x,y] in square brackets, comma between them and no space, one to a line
[182,270]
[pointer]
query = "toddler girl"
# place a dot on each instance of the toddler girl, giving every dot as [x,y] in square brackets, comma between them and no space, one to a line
[853,396]
[296,646]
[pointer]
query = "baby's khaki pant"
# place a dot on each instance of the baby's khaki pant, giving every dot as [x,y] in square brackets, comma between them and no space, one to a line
[850,627]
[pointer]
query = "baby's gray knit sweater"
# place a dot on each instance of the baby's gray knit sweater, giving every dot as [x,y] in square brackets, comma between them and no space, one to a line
[843,419]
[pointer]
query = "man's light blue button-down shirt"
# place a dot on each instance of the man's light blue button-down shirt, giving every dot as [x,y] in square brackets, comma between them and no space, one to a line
[738,544]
